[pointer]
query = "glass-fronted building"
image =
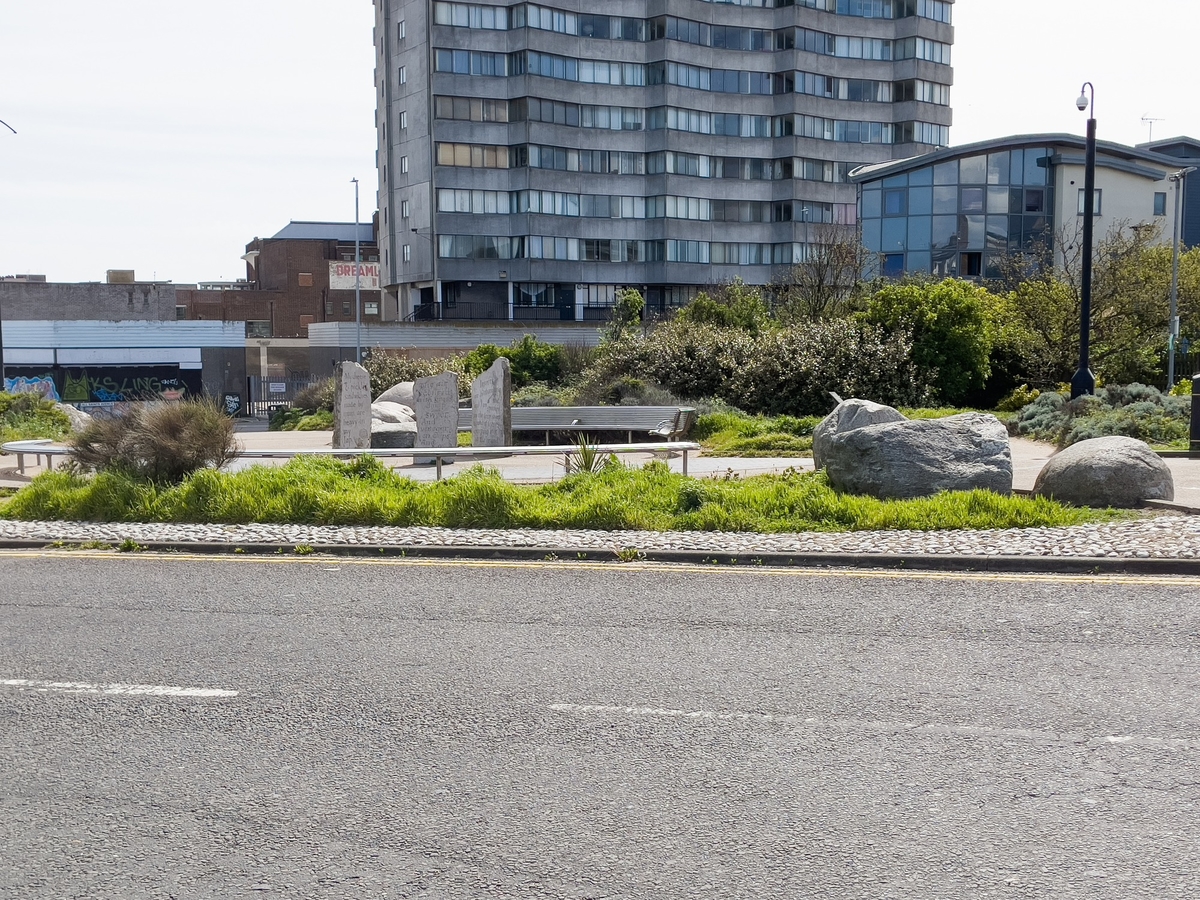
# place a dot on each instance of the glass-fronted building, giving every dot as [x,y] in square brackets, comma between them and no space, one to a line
[960,211]
[534,158]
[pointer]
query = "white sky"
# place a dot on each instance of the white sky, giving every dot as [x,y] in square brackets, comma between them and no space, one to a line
[163,136]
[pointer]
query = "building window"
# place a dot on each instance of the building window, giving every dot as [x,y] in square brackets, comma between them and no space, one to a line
[1035,200]
[181,312]
[404,74]
[1095,203]
[893,202]
[370,309]
[345,307]
[1160,203]
[404,165]
[970,265]
[408,252]
[328,308]
[401,30]
[403,118]
[404,209]
[305,279]
[258,329]
[893,265]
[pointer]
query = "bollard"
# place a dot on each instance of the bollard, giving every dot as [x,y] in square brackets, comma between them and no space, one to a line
[1194,436]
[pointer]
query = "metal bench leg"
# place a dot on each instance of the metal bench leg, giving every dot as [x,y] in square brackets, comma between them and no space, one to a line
[49,463]
[685,453]
[21,463]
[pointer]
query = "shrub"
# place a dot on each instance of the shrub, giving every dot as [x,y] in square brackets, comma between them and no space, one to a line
[1133,410]
[316,396]
[1020,397]
[531,361]
[159,442]
[387,370]
[29,416]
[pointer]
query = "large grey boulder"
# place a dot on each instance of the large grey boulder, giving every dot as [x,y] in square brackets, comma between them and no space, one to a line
[1108,471]
[848,415]
[921,457]
[79,419]
[386,411]
[398,393]
[393,435]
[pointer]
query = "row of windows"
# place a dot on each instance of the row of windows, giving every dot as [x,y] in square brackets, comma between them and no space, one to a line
[473,246]
[604,206]
[851,47]
[614,162]
[953,199]
[725,81]
[623,28]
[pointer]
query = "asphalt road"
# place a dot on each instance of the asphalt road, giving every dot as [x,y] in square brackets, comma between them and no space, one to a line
[362,730]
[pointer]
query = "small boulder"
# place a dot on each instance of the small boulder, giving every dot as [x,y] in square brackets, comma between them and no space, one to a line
[919,458]
[387,411]
[79,419]
[398,393]
[848,415]
[1122,472]
[393,435]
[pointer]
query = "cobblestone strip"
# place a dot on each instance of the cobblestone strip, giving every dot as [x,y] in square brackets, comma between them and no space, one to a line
[1160,537]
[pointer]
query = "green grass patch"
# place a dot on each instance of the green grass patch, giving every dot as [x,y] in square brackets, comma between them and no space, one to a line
[731,434]
[363,492]
[27,417]
[301,420]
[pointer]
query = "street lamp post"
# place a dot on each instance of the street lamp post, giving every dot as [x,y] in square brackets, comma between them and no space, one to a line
[358,356]
[2,382]
[1084,382]
[1173,325]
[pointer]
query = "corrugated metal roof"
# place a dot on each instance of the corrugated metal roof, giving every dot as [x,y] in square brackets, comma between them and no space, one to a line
[403,335]
[325,231]
[81,333]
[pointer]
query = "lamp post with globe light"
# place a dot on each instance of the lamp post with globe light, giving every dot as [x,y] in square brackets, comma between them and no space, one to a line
[1084,382]
[2,381]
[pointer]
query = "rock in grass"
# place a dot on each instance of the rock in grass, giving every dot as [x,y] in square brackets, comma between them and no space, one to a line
[398,393]
[922,457]
[848,415]
[393,435]
[1107,471]
[79,419]
[386,411]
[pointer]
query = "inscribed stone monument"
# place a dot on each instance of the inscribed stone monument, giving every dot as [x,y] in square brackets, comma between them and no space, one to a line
[352,408]
[491,406]
[435,400]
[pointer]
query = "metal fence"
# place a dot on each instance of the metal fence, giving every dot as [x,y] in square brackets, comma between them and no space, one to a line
[266,395]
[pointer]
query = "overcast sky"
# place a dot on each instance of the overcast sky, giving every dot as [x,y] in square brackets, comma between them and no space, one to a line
[163,136]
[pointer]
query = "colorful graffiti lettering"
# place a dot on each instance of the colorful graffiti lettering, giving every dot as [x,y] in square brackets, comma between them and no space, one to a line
[43,385]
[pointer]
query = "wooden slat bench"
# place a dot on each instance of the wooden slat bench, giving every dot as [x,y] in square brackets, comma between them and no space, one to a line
[670,423]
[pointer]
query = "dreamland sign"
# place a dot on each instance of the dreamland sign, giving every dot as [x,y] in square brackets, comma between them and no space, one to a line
[341,276]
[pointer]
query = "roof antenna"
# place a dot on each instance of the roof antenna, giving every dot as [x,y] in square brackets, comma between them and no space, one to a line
[1147,120]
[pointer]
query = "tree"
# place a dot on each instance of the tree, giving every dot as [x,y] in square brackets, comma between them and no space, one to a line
[626,315]
[830,280]
[951,326]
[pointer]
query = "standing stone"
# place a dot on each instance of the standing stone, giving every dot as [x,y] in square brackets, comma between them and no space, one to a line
[352,408]
[491,406]
[435,400]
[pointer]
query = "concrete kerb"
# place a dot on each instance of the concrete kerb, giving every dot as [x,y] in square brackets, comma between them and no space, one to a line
[917,562]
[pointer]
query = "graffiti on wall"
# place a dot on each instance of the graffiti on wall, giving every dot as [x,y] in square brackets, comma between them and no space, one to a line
[106,384]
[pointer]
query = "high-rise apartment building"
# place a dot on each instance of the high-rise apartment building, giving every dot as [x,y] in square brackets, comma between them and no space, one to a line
[536,157]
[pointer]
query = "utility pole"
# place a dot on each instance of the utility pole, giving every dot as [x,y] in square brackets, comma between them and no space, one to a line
[2,382]
[358,357]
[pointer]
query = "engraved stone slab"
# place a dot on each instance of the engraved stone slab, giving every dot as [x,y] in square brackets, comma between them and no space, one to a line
[491,406]
[352,407]
[435,400]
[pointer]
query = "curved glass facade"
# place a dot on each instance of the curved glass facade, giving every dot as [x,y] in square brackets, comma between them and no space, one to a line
[512,131]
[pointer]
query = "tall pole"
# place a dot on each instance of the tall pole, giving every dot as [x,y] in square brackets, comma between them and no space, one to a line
[1084,382]
[1173,323]
[2,382]
[358,357]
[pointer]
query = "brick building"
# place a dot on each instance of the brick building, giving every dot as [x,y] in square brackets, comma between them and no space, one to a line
[303,274]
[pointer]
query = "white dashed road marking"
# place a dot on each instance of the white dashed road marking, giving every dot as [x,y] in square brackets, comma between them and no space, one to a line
[113,690]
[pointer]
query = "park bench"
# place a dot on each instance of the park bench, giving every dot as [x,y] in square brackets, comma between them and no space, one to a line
[439,455]
[670,423]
